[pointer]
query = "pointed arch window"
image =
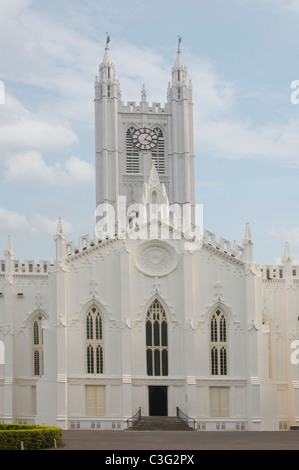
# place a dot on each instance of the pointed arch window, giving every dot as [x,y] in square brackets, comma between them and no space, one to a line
[37,346]
[218,344]
[156,340]
[132,153]
[158,153]
[94,342]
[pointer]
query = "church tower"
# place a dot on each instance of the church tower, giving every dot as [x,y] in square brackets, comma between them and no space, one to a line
[107,104]
[131,136]
[181,145]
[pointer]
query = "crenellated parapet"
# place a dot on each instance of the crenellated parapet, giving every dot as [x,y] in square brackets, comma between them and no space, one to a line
[272,273]
[26,267]
[286,270]
[224,246]
[13,267]
[143,107]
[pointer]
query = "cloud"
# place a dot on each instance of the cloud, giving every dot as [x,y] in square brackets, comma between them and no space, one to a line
[46,226]
[213,94]
[292,6]
[226,138]
[22,130]
[136,66]
[286,235]
[61,60]
[12,8]
[223,131]
[34,134]
[12,222]
[79,171]
[30,167]
[287,5]
[50,56]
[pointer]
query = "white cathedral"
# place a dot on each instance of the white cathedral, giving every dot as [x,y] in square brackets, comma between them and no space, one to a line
[151,313]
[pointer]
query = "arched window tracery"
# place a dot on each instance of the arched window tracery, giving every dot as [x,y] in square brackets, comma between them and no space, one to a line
[156,340]
[94,342]
[218,344]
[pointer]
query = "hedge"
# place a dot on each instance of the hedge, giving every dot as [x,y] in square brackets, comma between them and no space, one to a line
[33,437]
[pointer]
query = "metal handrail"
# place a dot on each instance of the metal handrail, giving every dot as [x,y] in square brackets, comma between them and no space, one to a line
[134,420]
[186,419]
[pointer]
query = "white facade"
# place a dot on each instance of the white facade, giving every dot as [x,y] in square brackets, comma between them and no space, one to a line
[157,322]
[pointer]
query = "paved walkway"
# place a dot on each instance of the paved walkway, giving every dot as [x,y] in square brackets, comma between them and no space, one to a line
[163,440]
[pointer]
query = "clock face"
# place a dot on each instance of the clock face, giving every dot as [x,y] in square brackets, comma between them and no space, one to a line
[145,139]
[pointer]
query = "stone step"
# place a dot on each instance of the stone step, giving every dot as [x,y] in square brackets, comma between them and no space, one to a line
[160,423]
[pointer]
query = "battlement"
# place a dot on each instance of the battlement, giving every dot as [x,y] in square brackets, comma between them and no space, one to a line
[267,272]
[26,267]
[85,242]
[142,107]
[225,246]
[279,272]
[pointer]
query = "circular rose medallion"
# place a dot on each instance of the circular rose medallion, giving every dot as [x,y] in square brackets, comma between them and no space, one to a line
[156,259]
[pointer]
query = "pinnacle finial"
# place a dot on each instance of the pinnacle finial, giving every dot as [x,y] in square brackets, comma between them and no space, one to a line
[107,40]
[248,236]
[179,61]
[179,43]
[59,226]
[9,248]
[154,180]
[143,93]
[248,246]
[287,252]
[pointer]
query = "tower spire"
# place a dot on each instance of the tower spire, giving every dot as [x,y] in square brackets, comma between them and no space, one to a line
[143,94]
[107,106]
[9,257]
[9,248]
[179,99]
[248,236]
[107,69]
[288,262]
[179,43]
[60,240]
[59,227]
[107,58]
[179,72]
[179,61]
[287,254]
[107,40]
[248,245]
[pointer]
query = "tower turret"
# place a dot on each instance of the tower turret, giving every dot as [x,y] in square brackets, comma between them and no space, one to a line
[287,261]
[9,257]
[130,136]
[60,241]
[248,245]
[107,100]
[181,141]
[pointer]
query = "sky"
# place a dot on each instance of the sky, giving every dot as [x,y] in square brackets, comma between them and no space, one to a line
[242,57]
